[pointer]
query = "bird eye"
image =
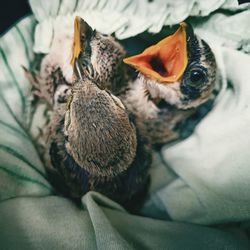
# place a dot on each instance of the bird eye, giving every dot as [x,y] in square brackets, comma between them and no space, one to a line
[197,77]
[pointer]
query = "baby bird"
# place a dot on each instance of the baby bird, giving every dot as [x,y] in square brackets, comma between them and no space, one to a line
[95,146]
[176,85]
[93,143]
[99,56]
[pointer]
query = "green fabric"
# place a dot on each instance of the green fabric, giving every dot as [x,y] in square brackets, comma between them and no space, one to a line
[55,223]
[129,17]
[204,179]
[21,171]
[215,181]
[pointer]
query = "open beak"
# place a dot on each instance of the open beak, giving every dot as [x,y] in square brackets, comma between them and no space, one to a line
[165,61]
[82,35]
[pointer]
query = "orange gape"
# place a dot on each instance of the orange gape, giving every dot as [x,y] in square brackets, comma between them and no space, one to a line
[76,50]
[166,61]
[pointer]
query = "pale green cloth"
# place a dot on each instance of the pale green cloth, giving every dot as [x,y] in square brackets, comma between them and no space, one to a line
[213,166]
[56,223]
[132,17]
[21,171]
[204,179]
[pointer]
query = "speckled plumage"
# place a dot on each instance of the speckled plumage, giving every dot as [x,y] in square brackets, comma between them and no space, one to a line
[102,60]
[95,146]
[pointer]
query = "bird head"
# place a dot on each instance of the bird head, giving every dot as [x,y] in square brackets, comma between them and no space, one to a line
[180,69]
[98,56]
[98,132]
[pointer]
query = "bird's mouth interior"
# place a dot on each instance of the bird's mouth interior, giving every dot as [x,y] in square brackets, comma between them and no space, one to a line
[165,61]
[157,65]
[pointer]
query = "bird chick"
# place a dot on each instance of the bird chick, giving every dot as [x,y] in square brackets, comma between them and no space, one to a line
[99,58]
[176,77]
[93,142]
[95,146]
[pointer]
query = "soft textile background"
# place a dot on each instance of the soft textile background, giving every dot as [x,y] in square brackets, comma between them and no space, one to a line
[204,179]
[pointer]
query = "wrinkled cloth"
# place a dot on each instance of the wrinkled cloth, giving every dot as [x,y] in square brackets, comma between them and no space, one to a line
[54,222]
[213,166]
[130,18]
[196,184]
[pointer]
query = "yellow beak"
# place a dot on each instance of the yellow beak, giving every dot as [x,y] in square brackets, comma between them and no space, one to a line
[76,50]
[165,61]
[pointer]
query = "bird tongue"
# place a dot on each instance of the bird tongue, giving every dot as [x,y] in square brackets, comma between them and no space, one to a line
[165,61]
[77,40]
